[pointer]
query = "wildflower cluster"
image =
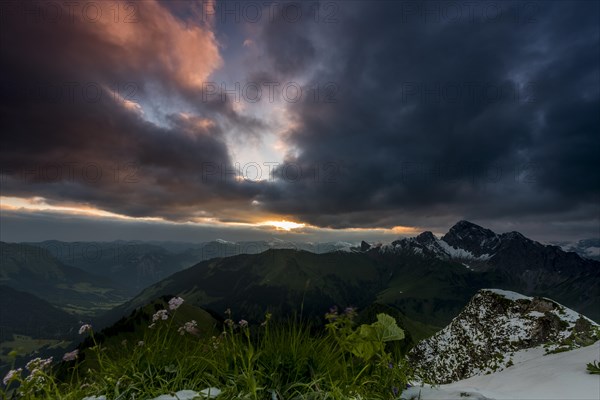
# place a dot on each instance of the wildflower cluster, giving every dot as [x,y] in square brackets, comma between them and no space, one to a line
[273,360]
[160,315]
[163,315]
[38,368]
[37,380]
[39,364]
[188,327]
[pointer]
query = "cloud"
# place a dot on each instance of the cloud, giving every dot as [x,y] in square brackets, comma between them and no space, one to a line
[409,116]
[77,97]
[487,117]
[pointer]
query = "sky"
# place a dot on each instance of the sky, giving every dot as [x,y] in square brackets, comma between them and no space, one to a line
[312,120]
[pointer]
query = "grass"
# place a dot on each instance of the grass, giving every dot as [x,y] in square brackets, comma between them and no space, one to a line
[272,360]
[594,367]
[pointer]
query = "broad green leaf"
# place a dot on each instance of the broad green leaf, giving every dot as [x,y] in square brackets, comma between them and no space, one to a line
[388,328]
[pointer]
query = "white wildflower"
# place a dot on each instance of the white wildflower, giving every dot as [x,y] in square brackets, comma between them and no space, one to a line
[160,314]
[38,363]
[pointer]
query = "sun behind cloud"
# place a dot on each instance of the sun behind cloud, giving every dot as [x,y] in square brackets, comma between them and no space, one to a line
[283,225]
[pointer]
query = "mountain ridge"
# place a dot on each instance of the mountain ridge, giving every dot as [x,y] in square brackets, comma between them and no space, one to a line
[424,277]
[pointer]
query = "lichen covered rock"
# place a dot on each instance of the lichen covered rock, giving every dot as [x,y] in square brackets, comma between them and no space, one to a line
[491,328]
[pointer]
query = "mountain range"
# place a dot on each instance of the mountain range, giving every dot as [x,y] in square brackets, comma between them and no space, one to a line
[427,279]
[137,264]
[588,248]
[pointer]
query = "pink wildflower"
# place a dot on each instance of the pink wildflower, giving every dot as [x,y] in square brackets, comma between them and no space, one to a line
[12,374]
[71,356]
[175,302]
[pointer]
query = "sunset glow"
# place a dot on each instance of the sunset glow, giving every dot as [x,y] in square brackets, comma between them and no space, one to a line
[283,225]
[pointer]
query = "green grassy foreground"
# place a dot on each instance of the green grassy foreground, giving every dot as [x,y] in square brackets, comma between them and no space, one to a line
[273,360]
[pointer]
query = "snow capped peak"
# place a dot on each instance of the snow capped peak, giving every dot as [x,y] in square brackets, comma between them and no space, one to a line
[472,238]
[427,244]
[221,241]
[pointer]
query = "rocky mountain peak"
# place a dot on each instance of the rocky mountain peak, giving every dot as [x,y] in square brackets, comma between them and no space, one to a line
[514,235]
[472,238]
[364,246]
[496,327]
[426,238]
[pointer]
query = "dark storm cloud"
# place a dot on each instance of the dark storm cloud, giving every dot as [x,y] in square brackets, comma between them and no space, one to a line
[292,53]
[492,115]
[74,123]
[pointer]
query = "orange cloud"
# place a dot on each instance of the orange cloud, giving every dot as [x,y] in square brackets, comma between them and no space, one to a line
[158,40]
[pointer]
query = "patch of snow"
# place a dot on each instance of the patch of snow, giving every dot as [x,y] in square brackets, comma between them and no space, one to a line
[345,249]
[387,248]
[430,393]
[508,294]
[454,252]
[209,393]
[556,376]
[535,314]
[567,314]
[592,251]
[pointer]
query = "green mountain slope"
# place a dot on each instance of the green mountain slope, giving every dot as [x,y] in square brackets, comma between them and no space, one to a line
[280,281]
[36,271]
[25,314]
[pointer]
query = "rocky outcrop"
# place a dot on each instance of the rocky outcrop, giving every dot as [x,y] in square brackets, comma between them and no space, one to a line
[495,325]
